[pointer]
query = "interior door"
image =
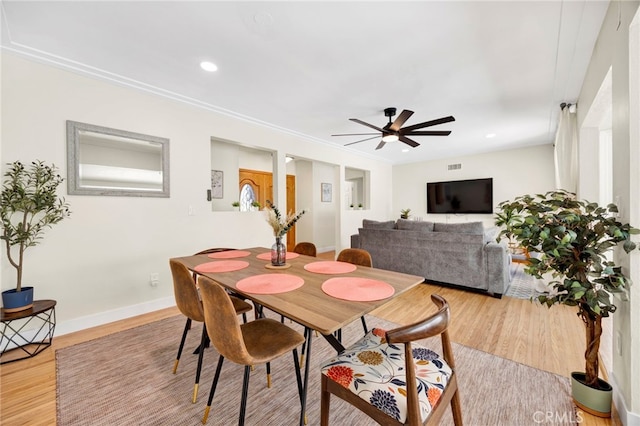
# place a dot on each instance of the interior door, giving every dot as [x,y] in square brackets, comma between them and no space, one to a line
[291,207]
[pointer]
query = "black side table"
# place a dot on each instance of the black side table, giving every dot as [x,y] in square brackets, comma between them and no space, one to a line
[27,333]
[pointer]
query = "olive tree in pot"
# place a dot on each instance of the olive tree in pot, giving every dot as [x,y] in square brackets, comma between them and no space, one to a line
[28,206]
[570,239]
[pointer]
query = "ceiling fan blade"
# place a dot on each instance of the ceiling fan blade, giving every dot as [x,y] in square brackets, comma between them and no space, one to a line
[380,145]
[355,120]
[428,124]
[429,133]
[404,116]
[354,134]
[408,141]
[367,139]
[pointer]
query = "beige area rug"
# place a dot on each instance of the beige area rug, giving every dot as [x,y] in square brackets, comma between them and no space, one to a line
[126,379]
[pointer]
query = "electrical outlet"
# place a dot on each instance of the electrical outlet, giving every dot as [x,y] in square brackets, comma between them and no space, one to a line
[154,279]
[191,211]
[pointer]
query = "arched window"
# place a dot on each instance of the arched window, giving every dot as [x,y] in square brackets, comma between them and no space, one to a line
[247,196]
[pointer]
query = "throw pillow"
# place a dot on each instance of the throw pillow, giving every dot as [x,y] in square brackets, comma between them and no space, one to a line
[414,225]
[374,224]
[475,228]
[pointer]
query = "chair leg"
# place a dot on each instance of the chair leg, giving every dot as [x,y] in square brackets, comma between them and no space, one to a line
[325,402]
[268,374]
[203,343]
[187,326]
[245,392]
[364,324]
[456,409]
[213,389]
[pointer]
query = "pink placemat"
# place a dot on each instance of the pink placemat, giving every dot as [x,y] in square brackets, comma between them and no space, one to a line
[270,283]
[357,289]
[229,254]
[221,266]
[267,255]
[330,267]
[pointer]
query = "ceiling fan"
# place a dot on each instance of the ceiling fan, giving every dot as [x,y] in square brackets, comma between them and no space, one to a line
[393,131]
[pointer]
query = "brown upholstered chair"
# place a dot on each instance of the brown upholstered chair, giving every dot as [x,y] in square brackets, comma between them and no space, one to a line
[188,301]
[305,248]
[414,385]
[256,342]
[359,257]
[356,256]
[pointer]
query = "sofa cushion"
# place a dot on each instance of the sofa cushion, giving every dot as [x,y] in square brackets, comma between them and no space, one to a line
[414,225]
[475,228]
[374,224]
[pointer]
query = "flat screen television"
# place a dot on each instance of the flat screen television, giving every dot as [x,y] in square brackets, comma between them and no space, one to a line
[460,196]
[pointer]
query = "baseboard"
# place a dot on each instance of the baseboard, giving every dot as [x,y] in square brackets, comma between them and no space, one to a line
[326,249]
[106,317]
[628,418]
[89,321]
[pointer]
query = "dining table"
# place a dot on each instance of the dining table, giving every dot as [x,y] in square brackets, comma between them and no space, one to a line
[321,295]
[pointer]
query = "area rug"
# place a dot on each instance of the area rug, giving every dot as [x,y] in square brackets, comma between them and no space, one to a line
[523,285]
[126,379]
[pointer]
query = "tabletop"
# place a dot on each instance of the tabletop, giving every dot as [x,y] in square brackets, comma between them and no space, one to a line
[308,305]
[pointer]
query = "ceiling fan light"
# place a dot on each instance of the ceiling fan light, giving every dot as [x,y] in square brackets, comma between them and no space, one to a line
[390,138]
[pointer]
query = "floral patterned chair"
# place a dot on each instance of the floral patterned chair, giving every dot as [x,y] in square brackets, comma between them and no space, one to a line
[393,381]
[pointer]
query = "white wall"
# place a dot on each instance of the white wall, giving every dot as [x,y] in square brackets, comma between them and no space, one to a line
[514,172]
[611,52]
[97,263]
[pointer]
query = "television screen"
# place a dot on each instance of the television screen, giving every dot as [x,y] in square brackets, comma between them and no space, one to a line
[460,196]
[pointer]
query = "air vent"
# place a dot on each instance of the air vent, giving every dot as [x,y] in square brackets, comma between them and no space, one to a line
[454,166]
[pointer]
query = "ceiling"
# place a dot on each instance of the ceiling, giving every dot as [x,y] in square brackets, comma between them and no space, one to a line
[499,67]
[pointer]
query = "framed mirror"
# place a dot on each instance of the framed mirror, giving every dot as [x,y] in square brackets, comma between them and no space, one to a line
[104,161]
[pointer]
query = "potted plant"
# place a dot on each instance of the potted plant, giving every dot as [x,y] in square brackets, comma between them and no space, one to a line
[256,205]
[28,206]
[360,206]
[351,206]
[405,213]
[236,204]
[570,239]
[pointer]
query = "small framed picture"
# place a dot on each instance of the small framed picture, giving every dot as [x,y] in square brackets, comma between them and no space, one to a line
[216,184]
[325,192]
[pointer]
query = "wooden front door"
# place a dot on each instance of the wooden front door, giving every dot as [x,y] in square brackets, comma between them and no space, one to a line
[261,184]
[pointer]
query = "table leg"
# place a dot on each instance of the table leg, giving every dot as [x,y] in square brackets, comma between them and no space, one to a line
[333,341]
[303,410]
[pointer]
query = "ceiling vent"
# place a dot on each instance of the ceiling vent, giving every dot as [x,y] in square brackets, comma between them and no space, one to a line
[457,166]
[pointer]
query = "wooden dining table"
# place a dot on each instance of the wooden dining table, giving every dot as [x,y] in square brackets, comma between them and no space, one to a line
[308,304]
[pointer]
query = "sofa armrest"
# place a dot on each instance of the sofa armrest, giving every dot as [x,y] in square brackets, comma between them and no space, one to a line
[355,241]
[497,267]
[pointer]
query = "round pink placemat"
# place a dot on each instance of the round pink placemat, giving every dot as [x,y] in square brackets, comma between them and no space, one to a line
[330,267]
[229,254]
[221,266]
[269,283]
[357,289]
[267,255]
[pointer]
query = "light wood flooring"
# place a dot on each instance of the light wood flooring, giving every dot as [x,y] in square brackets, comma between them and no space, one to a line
[548,339]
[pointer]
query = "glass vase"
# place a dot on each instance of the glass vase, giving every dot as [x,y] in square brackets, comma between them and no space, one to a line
[278,253]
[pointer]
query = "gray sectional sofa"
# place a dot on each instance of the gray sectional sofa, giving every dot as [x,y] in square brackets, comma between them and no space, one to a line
[462,254]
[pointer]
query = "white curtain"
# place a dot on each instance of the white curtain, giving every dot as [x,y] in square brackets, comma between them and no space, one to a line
[566,150]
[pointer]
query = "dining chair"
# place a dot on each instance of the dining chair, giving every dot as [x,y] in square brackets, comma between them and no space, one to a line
[189,303]
[359,257]
[396,385]
[305,248]
[256,342]
[218,250]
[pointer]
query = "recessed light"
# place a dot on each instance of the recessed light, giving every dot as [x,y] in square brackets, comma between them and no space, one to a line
[208,66]
[405,150]
[490,135]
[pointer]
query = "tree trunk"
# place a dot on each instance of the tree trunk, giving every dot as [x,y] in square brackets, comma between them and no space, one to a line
[593,326]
